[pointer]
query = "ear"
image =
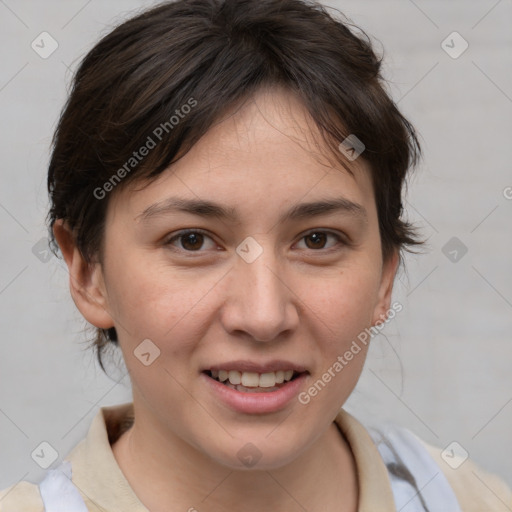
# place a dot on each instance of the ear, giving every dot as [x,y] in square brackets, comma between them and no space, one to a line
[389,269]
[86,281]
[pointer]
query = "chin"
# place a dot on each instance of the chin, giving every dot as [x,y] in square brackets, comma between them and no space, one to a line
[258,453]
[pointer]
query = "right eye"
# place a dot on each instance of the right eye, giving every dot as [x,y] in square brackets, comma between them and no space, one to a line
[191,240]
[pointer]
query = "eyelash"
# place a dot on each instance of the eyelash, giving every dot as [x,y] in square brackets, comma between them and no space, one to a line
[341,241]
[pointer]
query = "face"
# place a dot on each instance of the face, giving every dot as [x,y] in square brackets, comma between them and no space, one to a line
[256,284]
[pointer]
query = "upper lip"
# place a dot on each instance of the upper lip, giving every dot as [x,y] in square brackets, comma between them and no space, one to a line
[252,366]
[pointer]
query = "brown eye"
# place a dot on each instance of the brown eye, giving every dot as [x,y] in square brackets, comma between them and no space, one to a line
[190,241]
[317,240]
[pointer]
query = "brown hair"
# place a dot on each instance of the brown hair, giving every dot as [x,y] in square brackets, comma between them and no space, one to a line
[169,73]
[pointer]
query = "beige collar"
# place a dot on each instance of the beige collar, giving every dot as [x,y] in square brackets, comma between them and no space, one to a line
[375,494]
[98,476]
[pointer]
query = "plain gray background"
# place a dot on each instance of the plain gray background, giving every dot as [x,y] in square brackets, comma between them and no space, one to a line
[443,367]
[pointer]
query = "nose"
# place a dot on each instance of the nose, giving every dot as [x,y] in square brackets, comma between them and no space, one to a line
[260,303]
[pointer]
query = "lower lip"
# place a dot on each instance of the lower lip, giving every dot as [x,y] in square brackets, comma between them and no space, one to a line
[256,403]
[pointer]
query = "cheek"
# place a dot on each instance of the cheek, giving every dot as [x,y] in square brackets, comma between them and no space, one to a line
[154,302]
[343,302]
[340,308]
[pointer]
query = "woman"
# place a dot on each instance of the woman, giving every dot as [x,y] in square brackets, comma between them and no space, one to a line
[225,189]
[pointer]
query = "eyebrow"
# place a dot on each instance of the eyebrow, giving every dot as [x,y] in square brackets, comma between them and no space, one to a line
[209,209]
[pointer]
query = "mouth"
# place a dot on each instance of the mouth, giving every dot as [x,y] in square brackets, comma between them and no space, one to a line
[250,387]
[254,382]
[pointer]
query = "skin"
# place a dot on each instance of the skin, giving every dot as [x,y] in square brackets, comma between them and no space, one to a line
[297,301]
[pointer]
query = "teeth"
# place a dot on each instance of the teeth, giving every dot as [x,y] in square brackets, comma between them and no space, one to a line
[249,379]
[234,377]
[267,380]
[253,379]
[251,390]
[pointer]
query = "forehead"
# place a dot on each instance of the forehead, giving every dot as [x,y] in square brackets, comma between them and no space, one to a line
[262,154]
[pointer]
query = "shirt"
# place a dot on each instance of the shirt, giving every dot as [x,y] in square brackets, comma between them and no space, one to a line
[102,484]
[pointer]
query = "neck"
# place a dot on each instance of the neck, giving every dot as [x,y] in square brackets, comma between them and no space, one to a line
[167,473]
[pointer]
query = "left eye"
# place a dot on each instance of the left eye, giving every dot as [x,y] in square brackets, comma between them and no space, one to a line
[193,240]
[318,239]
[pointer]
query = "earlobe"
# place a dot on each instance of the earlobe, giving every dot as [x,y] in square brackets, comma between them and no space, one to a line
[86,282]
[389,270]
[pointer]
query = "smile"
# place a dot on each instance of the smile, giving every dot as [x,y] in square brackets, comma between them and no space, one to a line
[253,382]
[255,387]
